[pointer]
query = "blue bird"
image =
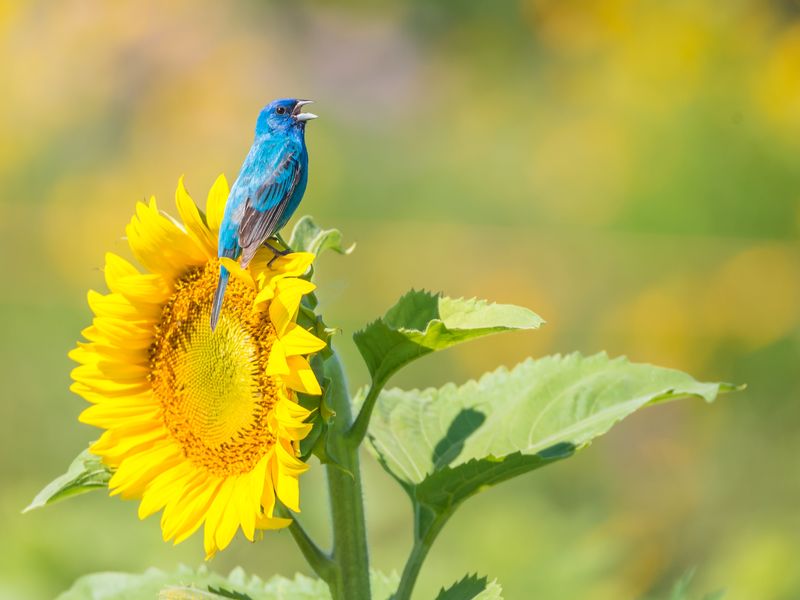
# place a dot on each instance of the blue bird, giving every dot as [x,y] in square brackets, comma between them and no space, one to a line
[268,189]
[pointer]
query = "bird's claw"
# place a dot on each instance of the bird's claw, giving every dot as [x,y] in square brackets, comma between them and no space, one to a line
[276,252]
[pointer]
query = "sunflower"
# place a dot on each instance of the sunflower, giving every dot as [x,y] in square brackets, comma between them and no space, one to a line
[204,425]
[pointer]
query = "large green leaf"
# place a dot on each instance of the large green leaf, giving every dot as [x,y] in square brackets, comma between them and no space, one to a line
[86,473]
[422,322]
[472,587]
[307,236]
[202,584]
[445,444]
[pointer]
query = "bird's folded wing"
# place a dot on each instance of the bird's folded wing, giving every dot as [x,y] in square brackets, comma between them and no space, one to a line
[264,208]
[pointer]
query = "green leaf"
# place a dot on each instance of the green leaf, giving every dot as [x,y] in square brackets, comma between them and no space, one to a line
[86,473]
[472,587]
[422,322]
[202,584]
[445,488]
[448,443]
[307,236]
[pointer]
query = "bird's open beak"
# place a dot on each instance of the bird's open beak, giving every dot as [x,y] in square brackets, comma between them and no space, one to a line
[302,116]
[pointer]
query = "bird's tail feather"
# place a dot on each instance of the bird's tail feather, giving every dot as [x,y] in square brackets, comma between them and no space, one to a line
[219,296]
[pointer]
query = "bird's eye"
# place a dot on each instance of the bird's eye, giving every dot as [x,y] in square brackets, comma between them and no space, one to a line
[280,110]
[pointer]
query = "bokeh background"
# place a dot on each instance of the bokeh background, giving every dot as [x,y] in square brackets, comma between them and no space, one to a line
[628,169]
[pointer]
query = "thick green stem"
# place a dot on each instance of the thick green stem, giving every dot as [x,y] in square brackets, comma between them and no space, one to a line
[350,575]
[427,526]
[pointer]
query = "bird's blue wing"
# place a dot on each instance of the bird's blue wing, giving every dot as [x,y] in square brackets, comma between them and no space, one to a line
[268,201]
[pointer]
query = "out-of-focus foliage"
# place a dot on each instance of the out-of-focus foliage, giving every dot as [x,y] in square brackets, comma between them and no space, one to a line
[201,584]
[629,169]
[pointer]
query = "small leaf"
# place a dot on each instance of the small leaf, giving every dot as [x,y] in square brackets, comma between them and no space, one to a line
[446,444]
[191,584]
[307,236]
[471,587]
[222,592]
[86,473]
[446,488]
[421,323]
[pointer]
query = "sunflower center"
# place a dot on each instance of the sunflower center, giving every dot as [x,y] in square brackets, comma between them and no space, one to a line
[212,386]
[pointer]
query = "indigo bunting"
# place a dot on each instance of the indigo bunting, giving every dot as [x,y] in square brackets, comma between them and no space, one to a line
[268,189]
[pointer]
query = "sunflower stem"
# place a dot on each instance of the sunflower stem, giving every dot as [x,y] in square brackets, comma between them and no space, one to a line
[319,560]
[356,433]
[427,525]
[350,574]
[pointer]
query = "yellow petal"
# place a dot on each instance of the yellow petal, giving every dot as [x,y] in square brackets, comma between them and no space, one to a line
[159,244]
[268,494]
[136,472]
[246,509]
[237,271]
[229,523]
[163,487]
[114,445]
[258,479]
[277,363]
[215,203]
[284,474]
[145,289]
[89,376]
[264,295]
[94,395]
[107,373]
[107,415]
[118,306]
[193,485]
[272,522]
[294,264]
[301,377]
[214,516]
[289,420]
[297,340]
[118,332]
[117,267]
[195,512]
[104,352]
[193,222]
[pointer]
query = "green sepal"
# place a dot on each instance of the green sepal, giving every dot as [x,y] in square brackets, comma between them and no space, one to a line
[86,473]
[317,442]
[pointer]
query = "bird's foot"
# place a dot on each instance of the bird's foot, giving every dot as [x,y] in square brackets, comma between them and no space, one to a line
[277,253]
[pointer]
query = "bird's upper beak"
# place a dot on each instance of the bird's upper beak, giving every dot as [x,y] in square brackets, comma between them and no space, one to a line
[302,116]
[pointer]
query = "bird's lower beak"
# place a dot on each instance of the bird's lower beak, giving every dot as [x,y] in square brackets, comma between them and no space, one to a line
[302,116]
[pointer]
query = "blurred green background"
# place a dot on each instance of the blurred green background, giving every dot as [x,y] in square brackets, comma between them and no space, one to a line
[628,169]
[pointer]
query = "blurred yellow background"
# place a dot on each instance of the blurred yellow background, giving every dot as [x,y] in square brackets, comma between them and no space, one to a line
[628,169]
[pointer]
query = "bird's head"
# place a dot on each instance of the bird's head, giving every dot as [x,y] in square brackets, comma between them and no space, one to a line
[283,115]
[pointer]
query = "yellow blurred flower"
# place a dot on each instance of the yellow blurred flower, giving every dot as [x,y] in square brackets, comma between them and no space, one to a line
[777,87]
[202,424]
